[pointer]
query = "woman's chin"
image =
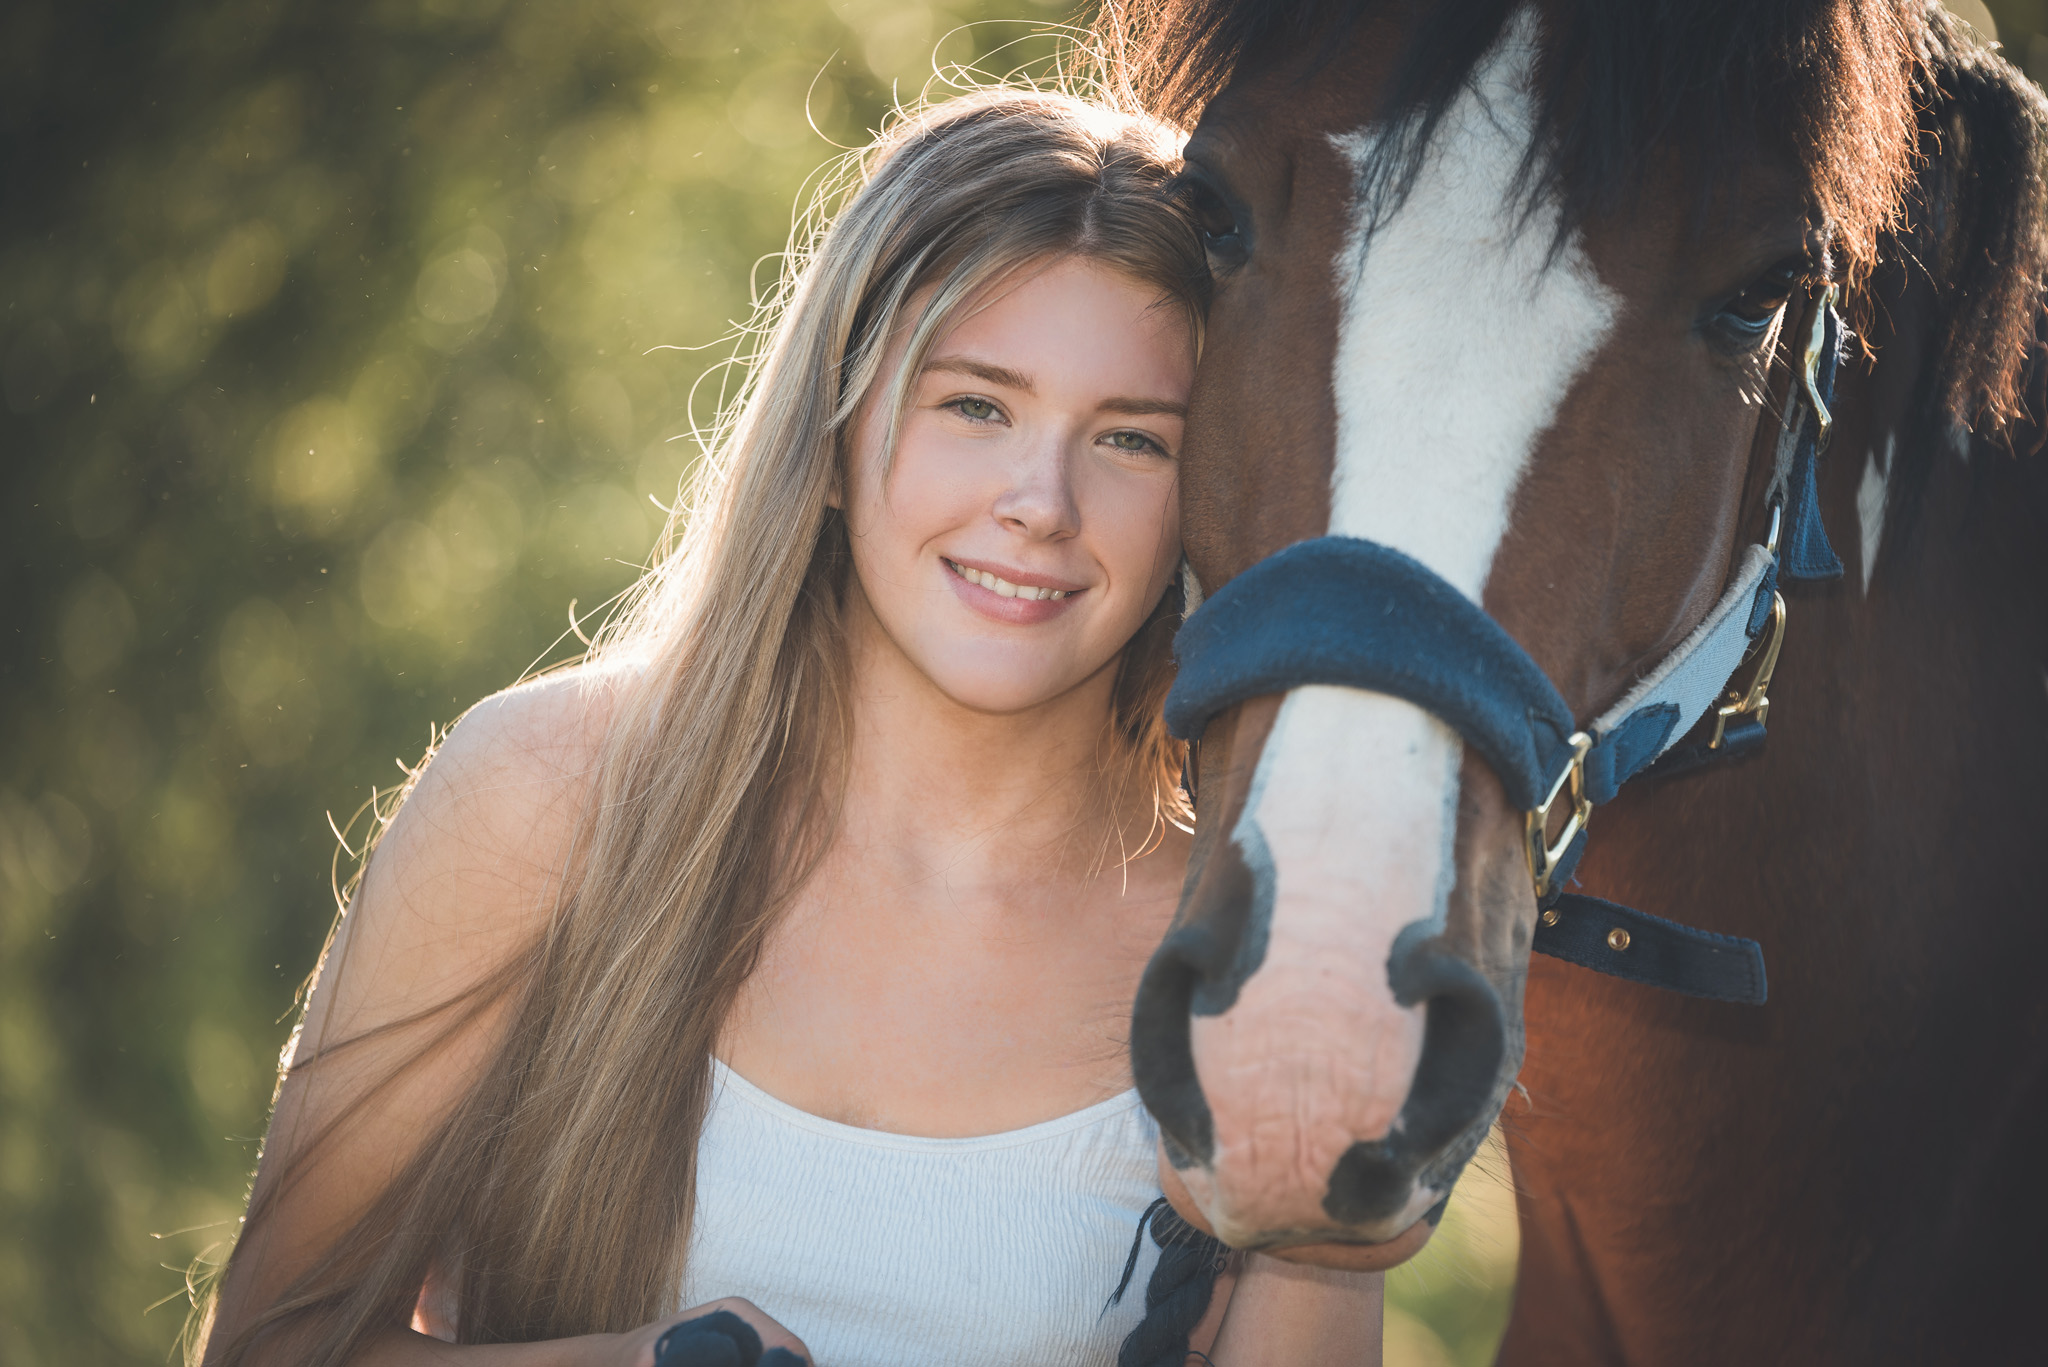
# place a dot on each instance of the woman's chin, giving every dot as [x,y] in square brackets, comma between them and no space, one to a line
[999,678]
[1002,696]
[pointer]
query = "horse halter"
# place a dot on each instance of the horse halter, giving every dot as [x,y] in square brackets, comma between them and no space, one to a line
[1346,611]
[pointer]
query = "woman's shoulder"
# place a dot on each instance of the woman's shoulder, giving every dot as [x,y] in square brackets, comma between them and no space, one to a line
[527,741]
[515,770]
[477,856]
[418,983]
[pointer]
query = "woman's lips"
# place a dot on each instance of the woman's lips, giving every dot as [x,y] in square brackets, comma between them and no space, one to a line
[1017,598]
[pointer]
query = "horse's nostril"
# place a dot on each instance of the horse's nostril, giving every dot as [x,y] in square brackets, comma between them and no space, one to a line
[1464,1040]
[1162,1054]
[1201,970]
[1197,971]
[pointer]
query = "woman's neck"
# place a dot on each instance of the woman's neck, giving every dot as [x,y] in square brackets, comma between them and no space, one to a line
[962,958]
[933,785]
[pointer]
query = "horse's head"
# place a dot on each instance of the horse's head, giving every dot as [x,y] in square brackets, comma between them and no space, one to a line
[1511,291]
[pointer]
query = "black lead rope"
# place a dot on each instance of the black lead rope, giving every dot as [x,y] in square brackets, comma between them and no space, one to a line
[1178,1294]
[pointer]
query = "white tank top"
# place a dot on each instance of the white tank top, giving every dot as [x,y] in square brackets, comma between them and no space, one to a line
[890,1250]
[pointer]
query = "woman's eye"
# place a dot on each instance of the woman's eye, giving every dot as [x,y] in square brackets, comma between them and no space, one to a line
[1749,315]
[1134,441]
[980,410]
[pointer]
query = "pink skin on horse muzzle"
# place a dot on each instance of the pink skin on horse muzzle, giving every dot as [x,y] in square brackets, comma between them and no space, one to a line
[1321,1062]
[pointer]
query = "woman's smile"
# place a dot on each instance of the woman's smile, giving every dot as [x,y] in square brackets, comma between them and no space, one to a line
[1004,594]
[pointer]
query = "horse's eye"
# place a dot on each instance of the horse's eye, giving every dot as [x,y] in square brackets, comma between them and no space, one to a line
[1750,314]
[1221,236]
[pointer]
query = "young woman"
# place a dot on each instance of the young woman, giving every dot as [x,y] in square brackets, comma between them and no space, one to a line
[778,958]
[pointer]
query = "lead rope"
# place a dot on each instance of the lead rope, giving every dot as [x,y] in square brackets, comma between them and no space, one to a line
[1178,1294]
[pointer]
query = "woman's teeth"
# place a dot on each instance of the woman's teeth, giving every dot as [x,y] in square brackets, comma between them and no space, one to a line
[997,584]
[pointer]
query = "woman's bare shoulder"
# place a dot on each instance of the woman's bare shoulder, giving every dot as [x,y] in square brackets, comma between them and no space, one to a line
[510,776]
[476,858]
[462,882]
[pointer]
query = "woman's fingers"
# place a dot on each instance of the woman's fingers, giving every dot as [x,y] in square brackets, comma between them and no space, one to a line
[732,1332]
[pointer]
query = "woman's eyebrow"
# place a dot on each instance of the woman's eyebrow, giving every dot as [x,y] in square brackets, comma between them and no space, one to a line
[982,370]
[1018,380]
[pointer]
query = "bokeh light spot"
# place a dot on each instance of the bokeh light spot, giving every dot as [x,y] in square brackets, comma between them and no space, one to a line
[55,841]
[600,522]
[459,287]
[259,651]
[246,270]
[590,161]
[480,527]
[97,628]
[157,324]
[404,575]
[321,456]
[769,107]
[106,491]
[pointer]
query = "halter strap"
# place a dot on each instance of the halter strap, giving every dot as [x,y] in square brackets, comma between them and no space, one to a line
[1341,610]
[1350,612]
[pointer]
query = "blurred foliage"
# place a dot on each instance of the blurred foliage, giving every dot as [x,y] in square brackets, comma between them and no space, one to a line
[325,352]
[325,342]
[1448,1305]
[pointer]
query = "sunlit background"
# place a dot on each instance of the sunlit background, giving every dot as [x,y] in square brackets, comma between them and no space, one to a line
[327,349]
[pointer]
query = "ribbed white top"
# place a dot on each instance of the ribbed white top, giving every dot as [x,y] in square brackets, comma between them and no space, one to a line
[890,1250]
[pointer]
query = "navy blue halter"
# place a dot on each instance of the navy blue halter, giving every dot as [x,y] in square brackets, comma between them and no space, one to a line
[1340,610]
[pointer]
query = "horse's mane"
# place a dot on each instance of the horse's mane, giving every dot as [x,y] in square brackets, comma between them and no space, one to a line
[1976,223]
[1918,145]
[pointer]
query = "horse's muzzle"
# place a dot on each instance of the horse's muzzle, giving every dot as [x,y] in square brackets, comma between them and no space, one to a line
[1299,1160]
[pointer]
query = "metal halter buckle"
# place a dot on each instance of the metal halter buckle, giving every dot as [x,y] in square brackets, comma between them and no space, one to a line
[1756,699]
[1543,853]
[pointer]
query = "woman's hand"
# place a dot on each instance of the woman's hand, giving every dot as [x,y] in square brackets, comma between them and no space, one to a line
[732,1332]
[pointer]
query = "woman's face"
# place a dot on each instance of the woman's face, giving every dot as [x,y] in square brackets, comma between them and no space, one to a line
[1031,518]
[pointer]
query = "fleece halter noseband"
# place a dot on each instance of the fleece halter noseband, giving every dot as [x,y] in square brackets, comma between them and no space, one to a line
[1346,611]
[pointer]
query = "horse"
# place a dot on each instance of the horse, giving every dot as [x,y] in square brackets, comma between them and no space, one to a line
[1525,320]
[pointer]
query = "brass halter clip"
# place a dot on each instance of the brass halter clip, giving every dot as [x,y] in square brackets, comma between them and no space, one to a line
[1809,365]
[1755,701]
[1543,852]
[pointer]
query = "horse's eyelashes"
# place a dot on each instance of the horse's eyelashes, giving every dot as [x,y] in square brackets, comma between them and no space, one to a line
[1217,223]
[1748,316]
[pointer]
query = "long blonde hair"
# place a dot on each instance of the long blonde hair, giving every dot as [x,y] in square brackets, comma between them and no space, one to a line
[556,1198]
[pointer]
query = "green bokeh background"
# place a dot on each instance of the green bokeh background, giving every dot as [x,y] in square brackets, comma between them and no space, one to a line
[326,351]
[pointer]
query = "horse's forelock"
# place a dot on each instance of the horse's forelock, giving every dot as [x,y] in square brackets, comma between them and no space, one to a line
[1624,82]
[1867,98]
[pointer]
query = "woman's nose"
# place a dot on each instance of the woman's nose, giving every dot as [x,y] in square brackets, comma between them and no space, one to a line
[1037,499]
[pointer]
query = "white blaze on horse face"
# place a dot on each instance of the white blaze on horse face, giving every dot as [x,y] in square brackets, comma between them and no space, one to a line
[1460,336]
[1315,1054]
